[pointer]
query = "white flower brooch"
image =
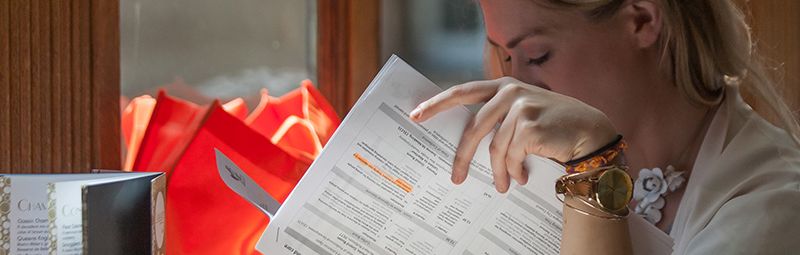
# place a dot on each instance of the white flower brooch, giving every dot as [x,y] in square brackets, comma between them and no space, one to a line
[651,187]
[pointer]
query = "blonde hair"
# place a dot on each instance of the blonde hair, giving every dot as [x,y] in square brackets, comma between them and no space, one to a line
[706,45]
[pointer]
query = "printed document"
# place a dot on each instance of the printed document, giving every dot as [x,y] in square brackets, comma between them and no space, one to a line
[382,186]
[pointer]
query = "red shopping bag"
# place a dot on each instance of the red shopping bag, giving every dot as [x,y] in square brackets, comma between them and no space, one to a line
[171,125]
[236,107]
[300,122]
[168,129]
[203,215]
[135,118]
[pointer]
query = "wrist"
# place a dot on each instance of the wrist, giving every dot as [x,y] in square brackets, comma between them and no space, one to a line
[607,190]
[573,203]
[611,153]
[601,133]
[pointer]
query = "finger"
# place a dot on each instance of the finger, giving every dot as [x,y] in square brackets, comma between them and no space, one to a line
[499,147]
[515,156]
[483,123]
[501,180]
[467,93]
[462,158]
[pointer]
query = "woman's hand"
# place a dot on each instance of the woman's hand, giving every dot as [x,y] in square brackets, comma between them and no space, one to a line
[532,121]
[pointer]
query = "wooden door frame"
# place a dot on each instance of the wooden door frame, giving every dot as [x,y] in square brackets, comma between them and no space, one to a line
[348,49]
[59,86]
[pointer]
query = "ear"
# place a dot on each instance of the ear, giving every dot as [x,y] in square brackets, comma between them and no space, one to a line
[645,22]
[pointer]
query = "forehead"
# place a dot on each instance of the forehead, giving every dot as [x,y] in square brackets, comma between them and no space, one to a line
[506,19]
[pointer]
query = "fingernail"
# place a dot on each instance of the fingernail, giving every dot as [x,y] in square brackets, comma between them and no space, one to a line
[415,113]
[461,179]
[501,190]
[457,179]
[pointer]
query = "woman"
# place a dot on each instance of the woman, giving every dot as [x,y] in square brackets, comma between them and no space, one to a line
[666,75]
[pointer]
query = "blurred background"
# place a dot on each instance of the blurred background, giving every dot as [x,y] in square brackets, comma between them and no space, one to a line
[203,49]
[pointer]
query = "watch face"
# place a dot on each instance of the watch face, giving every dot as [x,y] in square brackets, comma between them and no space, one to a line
[614,189]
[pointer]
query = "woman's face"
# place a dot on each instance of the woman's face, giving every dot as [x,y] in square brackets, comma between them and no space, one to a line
[597,62]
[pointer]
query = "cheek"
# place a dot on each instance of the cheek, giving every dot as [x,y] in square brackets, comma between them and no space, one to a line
[571,73]
[585,76]
[591,64]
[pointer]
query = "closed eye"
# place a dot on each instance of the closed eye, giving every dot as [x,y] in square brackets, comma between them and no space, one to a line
[540,60]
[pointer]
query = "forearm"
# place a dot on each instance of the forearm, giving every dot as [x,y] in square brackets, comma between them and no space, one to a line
[587,234]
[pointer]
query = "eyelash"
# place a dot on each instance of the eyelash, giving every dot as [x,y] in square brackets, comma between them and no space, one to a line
[534,61]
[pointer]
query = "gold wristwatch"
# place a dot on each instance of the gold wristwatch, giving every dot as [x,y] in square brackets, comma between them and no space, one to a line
[608,188]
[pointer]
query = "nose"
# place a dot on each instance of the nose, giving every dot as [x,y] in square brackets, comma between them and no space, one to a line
[519,70]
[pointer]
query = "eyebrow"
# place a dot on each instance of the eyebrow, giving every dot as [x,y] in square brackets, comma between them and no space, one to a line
[517,39]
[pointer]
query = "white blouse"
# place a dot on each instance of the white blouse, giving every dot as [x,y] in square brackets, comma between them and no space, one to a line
[743,196]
